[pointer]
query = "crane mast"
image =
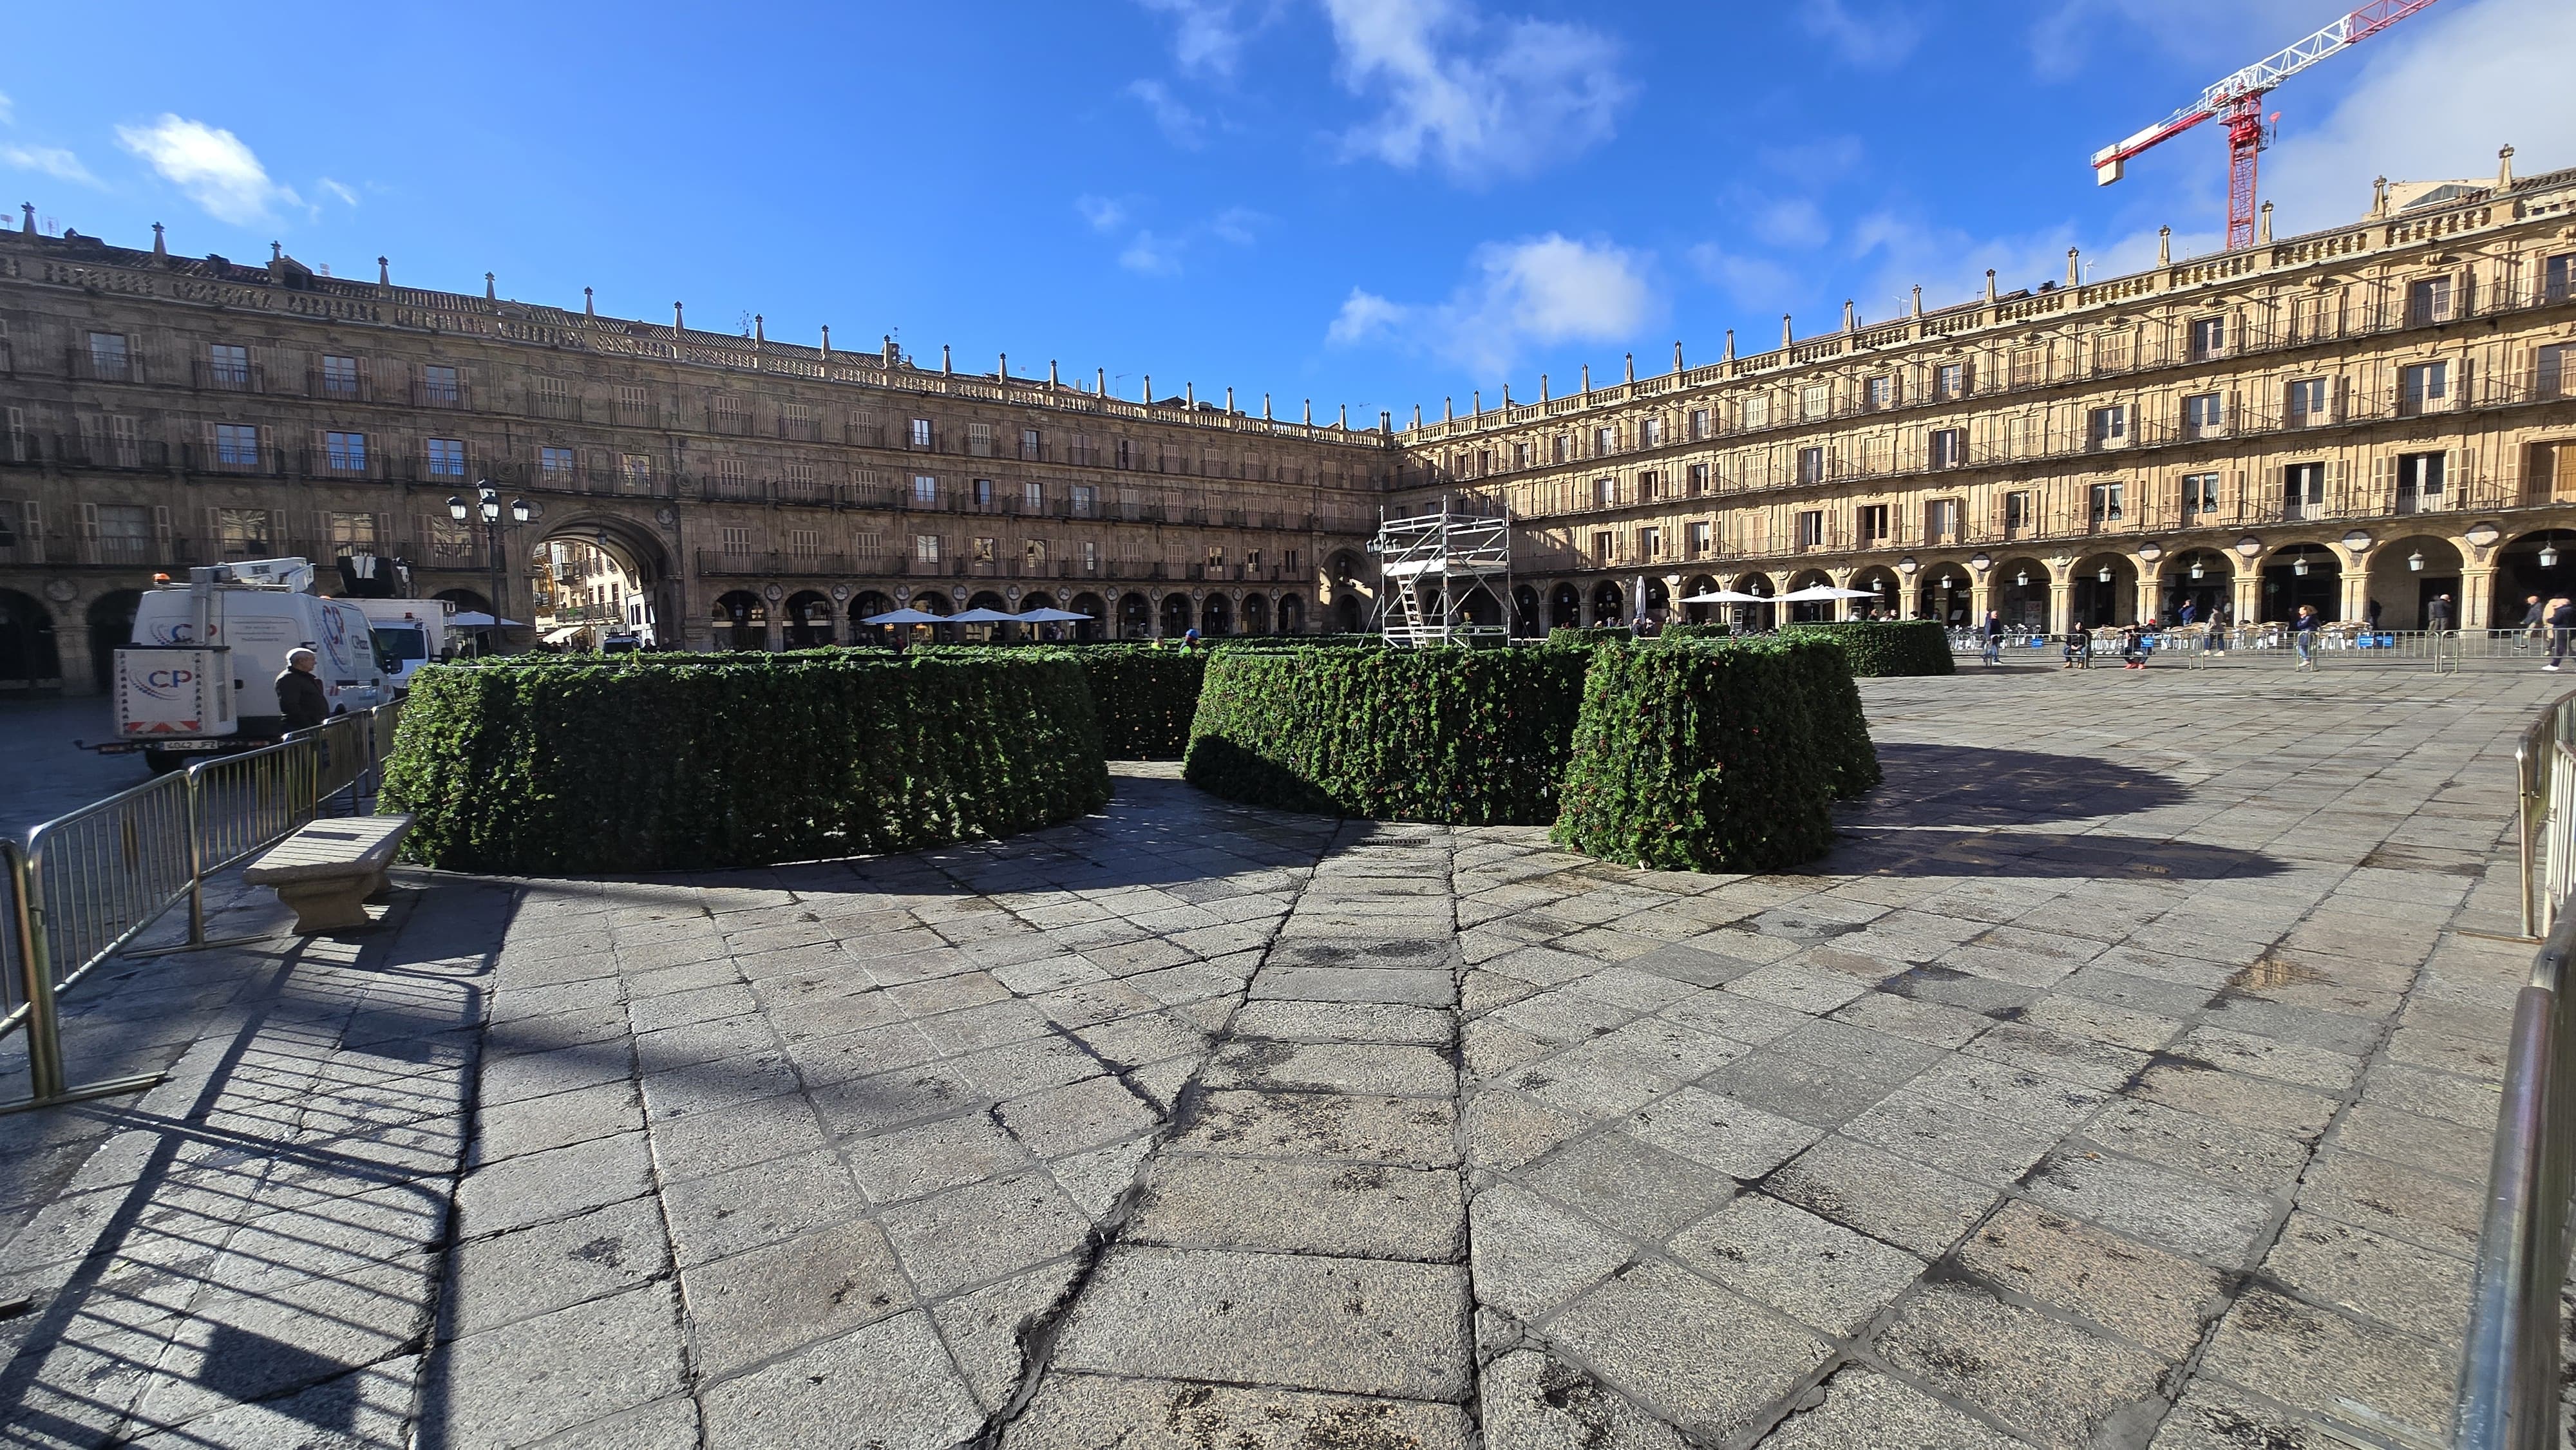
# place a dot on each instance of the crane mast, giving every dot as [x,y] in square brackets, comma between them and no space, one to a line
[2238,100]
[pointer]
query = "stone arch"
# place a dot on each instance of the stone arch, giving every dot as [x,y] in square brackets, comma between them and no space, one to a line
[1810,612]
[1525,612]
[2096,600]
[1944,593]
[1216,617]
[1176,615]
[1256,614]
[2212,589]
[1564,607]
[1135,616]
[864,605]
[987,633]
[2297,574]
[111,627]
[28,656]
[808,619]
[740,621]
[2407,574]
[2020,589]
[1292,613]
[1090,629]
[2520,572]
[1608,604]
[1699,584]
[1755,616]
[636,547]
[1887,591]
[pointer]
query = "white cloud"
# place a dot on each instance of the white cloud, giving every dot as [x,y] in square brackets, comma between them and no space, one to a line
[1535,292]
[53,161]
[1813,161]
[1950,263]
[1180,125]
[1794,222]
[1871,42]
[1238,225]
[211,166]
[1208,35]
[1152,255]
[347,197]
[2433,101]
[1755,282]
[1482,98]
[1103,214]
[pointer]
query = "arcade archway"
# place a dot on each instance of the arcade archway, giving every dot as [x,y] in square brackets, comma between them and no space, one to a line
[740,620]
[111,627]
[2406,575]
[2302,574]
[28,660]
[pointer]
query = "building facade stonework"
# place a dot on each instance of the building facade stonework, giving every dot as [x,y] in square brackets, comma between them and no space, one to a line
[2380,413]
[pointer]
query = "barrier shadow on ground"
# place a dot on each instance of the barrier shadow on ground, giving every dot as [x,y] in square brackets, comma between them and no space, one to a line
[1956,785]
[2048,855]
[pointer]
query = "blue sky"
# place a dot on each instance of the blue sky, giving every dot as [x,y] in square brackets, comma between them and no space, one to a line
[1366,202]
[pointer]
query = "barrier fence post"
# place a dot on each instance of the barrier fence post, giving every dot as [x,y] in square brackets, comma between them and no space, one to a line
[44,1030]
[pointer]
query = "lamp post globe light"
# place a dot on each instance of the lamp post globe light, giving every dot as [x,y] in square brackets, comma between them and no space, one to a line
[486,504]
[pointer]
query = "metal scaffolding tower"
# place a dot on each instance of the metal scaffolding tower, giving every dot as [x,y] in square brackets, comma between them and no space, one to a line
[1434,565]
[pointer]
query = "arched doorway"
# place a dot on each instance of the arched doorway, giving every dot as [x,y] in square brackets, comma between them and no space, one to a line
[1176,615]
[1089,629]
[2543,563]
[1525,612]
[1659,600]
[1942,594]
[2406,575]
[466,601]
[1256,614]
[1763,617]
[1350,616]
[740,621]
[1216,617]
[2021,594]
[867,605]
[809,618]
[2302,574]
[485,640]
[2104,591]
[1886,596]
[28,660]
[1292,614]
[1698,613]
[1606,604]
[1135,617]
[643,561]
[1565,607]
[111,628]
[1809,611]
[987,633]
[932,602]
[2205,578]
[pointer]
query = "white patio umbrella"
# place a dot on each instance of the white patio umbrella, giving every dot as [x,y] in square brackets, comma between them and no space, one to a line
[983,616]
[906,615]
[1727,596]
[1819,593]
[1052,616]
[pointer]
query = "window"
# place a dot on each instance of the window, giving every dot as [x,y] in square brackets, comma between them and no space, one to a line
[1126,454]
[1090,557]
[805,543]
[925,491]
[1949,447]
[227,365]
[979,440]
[1086,501]
[1878,392]
[2027,366]
[1940,520]
[2107,426]
[2109,502]
[1811,465]
[2559,276]
[1650,542]
[345,452]
[1757,410]
[2199,493]
[735,538]
[2202,415]
[2307,401]
[1814,400]
[731,416]
[2428,299]
[1949,380]
[983,551]
[1605,546]
[982,491]
[555,464]
[1216,556]
[125,533]
[2419,480]
[1872,523]
[1288,559]
[2422,386]
[866,543]
[1605,441]
[339,377]
[2551,378]
[243,533]
[1695,539]
[1650,433]
[919,437]
[2208,337]
[1811,529]
[1033,553]
[798,421]
[636,469]
[1649,487]
[438,386]
[108,360]
[552,397]
[2019,509]
[1559,446]
[632,404]
[1252,558]
[1699,422]
[2303,487]
[868,428]
[925,548]
[353,532]
[1605,492]
[1032,445]
[1520,455]
[1698,475]
[1033,497]
[237,445]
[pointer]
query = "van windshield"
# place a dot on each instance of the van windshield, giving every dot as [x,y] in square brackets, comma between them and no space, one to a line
[402,642]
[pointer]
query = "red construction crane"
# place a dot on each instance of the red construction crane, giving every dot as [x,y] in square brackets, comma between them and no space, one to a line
[2239,100]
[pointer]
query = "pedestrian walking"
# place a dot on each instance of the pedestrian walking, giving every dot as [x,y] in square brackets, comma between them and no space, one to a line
[2535,617]
[2185,615]
[2370,616]
[2562,621]
[1993,653]
[300,696]
[2303,633]
[2219,624]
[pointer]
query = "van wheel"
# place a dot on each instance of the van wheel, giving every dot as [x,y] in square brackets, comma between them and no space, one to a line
[162,762]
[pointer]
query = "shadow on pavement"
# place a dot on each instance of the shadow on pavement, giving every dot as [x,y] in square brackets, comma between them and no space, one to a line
[1950,785]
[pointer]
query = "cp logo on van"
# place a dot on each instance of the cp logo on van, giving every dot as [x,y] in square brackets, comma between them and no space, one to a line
[166,684]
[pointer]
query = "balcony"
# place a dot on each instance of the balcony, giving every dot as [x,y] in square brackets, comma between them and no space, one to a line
[223,377]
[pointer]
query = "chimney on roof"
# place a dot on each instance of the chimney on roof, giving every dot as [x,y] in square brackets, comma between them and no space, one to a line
[384,273]
[1310,412]
[2262,229]
[1002,368]
[679,319]
[589,303]
[29,208]
[1851,316]
[160,248]
[1542,387]
[1265,407]
[759,330]
[1785,334]
[1632,367]
[1053,379]
[1677,357]
[2074,277]
[946,367]
[1730,345]
[1417,415]
[1990,284]
[1229,398]
[2504,169]
[1448,409]
[488,294]
[1587,377]
[1507,397]
[827,342]
[1100,385]
[1149,387]
[2164,246]
[1918,299]
[1190,396]
[1476,398]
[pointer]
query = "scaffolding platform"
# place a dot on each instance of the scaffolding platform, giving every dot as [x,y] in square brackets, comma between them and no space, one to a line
[1434,566]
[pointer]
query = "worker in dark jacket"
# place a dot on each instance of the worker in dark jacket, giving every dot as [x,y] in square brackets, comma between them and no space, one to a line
[300,697]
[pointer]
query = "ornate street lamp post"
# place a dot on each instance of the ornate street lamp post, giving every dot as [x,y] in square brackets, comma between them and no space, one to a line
[486,504]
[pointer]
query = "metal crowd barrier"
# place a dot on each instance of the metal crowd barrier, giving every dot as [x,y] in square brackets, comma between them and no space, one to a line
[2336,646]
[86,885]
[2510,1378]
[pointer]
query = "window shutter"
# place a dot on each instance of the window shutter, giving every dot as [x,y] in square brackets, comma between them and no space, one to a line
[2460,394]
[206,459]
[214,533]
[277,530]
[321,534]
[382,527]
[89,522]
[2381,489]
[2335,476]
[161,531]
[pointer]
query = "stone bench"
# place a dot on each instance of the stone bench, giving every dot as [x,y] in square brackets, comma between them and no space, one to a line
[327,869]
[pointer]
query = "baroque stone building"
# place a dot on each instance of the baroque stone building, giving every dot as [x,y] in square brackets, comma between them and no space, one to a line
[2380,412]
[2377,412]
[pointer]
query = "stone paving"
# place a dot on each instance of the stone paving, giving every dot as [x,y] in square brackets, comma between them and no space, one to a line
[2124,1078]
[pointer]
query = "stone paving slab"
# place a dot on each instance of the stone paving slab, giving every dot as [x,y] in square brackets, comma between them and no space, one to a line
[2124,1078]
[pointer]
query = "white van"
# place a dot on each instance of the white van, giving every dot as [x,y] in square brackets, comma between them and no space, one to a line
[409,633]
[224,636]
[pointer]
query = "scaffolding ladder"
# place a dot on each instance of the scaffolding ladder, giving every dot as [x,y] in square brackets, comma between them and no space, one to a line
[1434,566]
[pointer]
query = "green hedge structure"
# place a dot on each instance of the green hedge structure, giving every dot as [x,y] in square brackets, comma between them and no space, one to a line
[1881,648]
[657,762]
[1454,736]
[1567,636]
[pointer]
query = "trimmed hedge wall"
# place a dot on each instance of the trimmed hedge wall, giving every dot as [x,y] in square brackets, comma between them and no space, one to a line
[1841,728]
[1566,636]
[1144,697]
[1454,736]
[1684,630]
[1709,757]
[1885,647]
[651,762]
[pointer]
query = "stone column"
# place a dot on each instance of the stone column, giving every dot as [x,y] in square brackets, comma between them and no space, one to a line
[2249,590]
[2355,582]
[2478,605]
[2061,598]
[2150,594]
